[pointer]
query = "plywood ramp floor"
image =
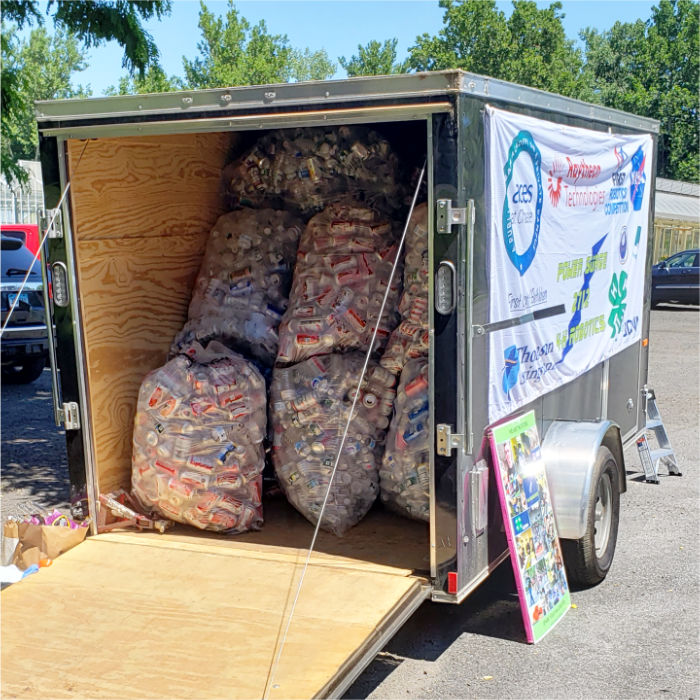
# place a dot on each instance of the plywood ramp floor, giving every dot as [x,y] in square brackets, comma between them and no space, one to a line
[181,615]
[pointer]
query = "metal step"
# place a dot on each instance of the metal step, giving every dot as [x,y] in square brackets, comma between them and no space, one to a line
[661,452]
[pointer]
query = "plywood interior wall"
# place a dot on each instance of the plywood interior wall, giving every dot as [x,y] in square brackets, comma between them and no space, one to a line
[142,209]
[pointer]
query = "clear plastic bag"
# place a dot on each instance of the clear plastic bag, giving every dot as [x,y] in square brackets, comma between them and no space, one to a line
[343,266]
[306,168]
[242,288]
[197,451]
[405,473]
[309,407]
[410,338]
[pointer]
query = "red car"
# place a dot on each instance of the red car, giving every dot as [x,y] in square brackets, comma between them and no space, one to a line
[27,233]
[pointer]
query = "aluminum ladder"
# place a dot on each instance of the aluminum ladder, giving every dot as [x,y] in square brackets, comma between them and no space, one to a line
[663,454]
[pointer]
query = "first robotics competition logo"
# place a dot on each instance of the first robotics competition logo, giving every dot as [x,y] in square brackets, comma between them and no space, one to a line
[522,204]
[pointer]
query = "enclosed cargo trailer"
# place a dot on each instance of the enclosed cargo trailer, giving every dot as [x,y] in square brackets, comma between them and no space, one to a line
[136,181]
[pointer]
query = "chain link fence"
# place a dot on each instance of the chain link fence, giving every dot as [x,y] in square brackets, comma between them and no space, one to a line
[19,203]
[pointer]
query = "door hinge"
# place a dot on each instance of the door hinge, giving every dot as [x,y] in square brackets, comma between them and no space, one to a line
[51,219]
[447,440]
[69,415]
[448,216]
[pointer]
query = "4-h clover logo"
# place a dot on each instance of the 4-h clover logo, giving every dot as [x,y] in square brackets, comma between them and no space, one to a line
[617,295]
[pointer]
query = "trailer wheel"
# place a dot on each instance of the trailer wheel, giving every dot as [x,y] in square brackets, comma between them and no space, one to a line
[588,559]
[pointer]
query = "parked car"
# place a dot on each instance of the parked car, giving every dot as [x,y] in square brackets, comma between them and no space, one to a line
[24,344]
[677,278]
[27,233]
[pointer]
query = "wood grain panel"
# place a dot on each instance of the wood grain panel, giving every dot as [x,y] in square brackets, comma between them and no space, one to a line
[146,186]
[141,620]
[134,294]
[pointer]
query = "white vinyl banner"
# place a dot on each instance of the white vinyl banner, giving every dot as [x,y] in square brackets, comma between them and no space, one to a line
[569,213]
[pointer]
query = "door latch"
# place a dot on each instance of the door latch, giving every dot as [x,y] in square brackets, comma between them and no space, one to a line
[447,440]
[51,219]
[448,216]
[69,415]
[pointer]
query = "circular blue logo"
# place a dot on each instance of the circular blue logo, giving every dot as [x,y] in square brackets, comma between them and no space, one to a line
[623,250]
[523,142]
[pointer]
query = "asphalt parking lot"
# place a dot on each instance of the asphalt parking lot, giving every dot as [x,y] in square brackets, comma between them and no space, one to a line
[634,636]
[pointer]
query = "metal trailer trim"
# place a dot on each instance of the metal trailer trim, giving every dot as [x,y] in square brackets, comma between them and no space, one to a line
[604,389]
[179,105]
[80,356]
[381,636]
[431,351]
[569,451]
[50,335]
[468,313]
[247,122]
[439,596]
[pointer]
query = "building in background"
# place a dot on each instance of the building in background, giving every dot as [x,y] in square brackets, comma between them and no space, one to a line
[19,203]
[676,217]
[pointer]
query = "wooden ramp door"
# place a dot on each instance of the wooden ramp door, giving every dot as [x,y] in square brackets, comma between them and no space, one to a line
[136,615]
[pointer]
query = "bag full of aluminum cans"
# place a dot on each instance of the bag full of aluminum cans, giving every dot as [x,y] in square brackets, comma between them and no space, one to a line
[197,454]
[242,289]
[410,338]
[344,262]
[404,472]
[305,168]
[309,407]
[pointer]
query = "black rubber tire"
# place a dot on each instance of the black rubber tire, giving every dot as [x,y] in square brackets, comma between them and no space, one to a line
[585,566]
[27,372]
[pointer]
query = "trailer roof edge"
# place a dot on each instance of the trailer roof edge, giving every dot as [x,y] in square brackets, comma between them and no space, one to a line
[236,100]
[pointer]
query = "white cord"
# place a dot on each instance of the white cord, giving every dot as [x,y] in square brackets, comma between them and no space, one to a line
[41,245]
[269,684]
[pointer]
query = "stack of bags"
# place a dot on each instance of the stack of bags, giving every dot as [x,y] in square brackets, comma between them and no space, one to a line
[404,472]
[198,455]
[308,168]
[343,266]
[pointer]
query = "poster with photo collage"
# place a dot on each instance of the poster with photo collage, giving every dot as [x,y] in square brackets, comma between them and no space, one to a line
[530,527]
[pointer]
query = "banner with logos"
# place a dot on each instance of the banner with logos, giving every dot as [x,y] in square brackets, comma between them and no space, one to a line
[569,215]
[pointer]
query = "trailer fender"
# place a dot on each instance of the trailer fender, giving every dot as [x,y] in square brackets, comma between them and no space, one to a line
[569,450]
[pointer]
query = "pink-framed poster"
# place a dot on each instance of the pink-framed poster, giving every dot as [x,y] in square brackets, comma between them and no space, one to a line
[529,522]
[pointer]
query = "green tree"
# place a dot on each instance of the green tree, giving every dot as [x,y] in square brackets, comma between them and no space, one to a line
[311,65]
[474,37]
[41,67]
[92,22]
[152,81]
[232,52]
[540,55]
[374,58]
[652,69]
[530,47]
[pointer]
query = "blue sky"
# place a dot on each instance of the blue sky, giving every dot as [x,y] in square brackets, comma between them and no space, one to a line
[336,25]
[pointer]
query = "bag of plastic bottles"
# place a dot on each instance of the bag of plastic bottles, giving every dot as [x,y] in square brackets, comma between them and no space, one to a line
[343,266]
[309,407]
[243,284]
[410,338]
[305,168]
[198,455]
[404,473]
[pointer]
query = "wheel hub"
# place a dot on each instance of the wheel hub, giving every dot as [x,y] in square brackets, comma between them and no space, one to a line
[603,514]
